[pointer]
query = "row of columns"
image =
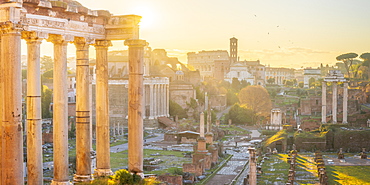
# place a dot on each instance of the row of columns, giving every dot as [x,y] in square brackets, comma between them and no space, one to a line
[159,100]
[11,107]
[334,102]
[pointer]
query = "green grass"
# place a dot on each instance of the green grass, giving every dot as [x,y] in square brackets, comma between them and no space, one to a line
[172,160]
[348,174]
[275,168]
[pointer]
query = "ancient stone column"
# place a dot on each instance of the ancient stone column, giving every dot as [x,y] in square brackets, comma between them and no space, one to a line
[12,136]
[135,119]
[323,103]
[60,110]
[151,99]
[102,110]
[201,140]
[252,166]
[168,100]
[1,109]
[160,99]
[201,126]
[155,102]
[345,102]
[83,155]
[335,99]
[34,119]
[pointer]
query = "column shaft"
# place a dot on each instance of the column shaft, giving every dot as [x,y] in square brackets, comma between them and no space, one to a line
[83,156]
[161,99]
[12,136]
[34,119]
[323,103]
[60,110]
[135,119]
[168,101]
[345,103]
[151,99]
[102,109]
[155,107]
[335,99]
[1,109]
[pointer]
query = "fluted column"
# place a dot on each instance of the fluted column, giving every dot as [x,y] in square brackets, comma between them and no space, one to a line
[155,96]
[135,119]
[34,119]
[1,109]
[60,110]
[83,158]
[12,136]
[102,109]
[151,99]
[323,103]
[335,99]
[168,100]
[161,100]
[345,102]
[164,100]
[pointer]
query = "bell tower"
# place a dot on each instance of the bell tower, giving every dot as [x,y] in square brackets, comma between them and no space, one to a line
[233,50]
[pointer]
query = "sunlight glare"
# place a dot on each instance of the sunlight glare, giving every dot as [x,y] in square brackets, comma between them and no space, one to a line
[148,16]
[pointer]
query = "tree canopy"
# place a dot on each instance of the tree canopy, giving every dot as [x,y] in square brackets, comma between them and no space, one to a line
[347,59]
[46,63]
[240,115]
[366,58]
[257,99]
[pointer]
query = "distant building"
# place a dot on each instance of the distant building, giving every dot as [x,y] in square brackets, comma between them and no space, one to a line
[204,61]
[258,71]
[233,50]
[239,70]
[310,73]
[280,74]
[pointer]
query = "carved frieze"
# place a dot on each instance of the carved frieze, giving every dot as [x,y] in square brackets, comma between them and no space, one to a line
[62,26]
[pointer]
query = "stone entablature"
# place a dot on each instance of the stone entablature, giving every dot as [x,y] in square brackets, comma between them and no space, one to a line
[70,20]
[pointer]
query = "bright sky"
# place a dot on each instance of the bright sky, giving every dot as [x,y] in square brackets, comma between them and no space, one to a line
[290,33]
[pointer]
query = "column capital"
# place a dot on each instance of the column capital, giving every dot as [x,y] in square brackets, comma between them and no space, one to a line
[33,37]
[102,43]
[82,43]
[10,27]
[59,39]
[135,43]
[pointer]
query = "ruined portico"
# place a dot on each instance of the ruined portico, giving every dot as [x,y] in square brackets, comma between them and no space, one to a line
[334,77]
[59,22]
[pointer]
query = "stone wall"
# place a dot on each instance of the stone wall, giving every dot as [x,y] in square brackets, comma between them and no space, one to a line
[352,140]
[310,144]
[171,179]
[310,124]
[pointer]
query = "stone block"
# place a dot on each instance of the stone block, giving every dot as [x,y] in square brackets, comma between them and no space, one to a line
[171,179]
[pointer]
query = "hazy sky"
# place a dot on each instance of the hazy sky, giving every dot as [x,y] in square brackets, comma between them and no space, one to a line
[289,33]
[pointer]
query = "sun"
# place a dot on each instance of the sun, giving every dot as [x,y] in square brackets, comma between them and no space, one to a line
[149,17]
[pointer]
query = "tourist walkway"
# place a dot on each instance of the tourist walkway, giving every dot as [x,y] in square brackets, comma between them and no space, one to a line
[236,164]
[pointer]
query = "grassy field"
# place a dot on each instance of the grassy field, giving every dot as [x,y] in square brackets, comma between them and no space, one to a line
[171,160]
[276,168]
[348,174]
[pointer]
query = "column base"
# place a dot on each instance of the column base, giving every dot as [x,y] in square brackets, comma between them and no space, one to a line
[102,172]
[82,178]
[344,122]
[60,183]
